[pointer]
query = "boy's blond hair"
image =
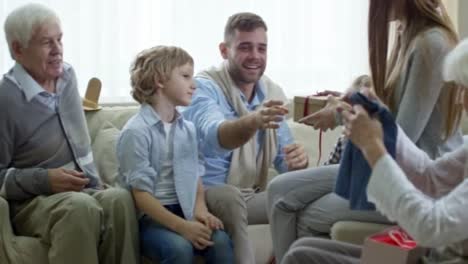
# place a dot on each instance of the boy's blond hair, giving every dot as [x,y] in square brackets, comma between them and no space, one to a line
[152,66]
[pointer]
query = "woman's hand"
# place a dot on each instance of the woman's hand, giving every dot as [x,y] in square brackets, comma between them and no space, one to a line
[365,132]
[325,118]
[329,92]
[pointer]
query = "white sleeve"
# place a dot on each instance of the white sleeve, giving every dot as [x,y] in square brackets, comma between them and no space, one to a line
[431,222]
[433,177]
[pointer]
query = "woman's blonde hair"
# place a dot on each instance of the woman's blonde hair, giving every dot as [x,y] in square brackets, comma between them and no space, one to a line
[420,16]
[360,82]
[152,66]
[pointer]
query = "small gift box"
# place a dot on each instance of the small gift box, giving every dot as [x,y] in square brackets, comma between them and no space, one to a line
[391,246]
[306,105]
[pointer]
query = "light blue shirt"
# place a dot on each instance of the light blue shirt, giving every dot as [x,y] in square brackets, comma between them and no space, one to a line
[208,110]
[139,151]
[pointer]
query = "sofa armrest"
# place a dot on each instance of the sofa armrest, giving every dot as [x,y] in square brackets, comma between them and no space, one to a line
[5,225]
[354,232]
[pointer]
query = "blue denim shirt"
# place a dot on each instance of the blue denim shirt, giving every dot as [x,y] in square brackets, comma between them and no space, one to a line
[138,151]
[208,110]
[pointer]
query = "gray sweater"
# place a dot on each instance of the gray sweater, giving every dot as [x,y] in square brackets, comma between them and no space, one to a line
[34,137]
[419,111]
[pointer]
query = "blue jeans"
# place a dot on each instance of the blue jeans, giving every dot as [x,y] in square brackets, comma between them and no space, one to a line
[166,246]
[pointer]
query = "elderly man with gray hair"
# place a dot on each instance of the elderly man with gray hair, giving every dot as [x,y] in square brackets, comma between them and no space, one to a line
[47,172]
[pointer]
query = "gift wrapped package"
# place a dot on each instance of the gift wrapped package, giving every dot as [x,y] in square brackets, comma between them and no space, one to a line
[306,105]
[391,246]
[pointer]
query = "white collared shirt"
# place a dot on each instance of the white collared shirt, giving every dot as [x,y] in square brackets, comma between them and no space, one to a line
[33,91]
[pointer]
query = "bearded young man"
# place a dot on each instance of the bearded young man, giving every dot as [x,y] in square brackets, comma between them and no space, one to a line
[239,114]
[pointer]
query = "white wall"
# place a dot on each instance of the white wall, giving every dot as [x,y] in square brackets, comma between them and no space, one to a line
[313,44]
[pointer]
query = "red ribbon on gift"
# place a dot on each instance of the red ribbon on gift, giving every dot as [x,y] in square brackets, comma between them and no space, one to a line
[396,237]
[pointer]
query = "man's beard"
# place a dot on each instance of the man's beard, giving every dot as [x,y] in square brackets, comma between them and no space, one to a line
[239,77]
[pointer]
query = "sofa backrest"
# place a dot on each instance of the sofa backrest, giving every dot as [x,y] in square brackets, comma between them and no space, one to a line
[117,116]
[104,126]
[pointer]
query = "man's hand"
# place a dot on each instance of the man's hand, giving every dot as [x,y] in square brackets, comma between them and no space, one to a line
[236,132]
[197,233]
[209,220]
[296,157]
[270,114]
[62,180]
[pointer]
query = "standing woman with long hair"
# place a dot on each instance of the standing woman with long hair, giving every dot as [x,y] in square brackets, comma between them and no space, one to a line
[408,80]
[432,211]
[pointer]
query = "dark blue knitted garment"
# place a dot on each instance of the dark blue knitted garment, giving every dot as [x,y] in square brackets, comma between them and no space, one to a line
[354,172]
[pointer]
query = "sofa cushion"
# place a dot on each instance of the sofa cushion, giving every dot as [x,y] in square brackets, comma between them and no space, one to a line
[309,138]
[104,153]
[116,115]
[261,240]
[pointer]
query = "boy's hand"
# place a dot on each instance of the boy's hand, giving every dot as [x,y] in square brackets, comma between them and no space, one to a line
[209,220]
[197,233]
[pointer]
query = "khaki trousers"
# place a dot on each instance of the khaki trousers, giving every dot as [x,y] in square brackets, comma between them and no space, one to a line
[227,203]
[82,227]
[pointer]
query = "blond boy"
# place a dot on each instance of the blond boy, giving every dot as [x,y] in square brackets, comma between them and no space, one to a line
[159,162]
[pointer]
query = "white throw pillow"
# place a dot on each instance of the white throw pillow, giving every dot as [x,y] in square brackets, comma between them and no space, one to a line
[104,153]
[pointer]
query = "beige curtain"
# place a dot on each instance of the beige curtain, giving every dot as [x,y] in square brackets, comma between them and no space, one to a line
[452,8]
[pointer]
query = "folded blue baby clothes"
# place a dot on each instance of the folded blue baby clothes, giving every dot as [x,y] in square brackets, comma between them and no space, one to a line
[354,172]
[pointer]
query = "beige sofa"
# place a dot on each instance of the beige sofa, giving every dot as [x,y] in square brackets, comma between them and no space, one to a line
[104,127]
